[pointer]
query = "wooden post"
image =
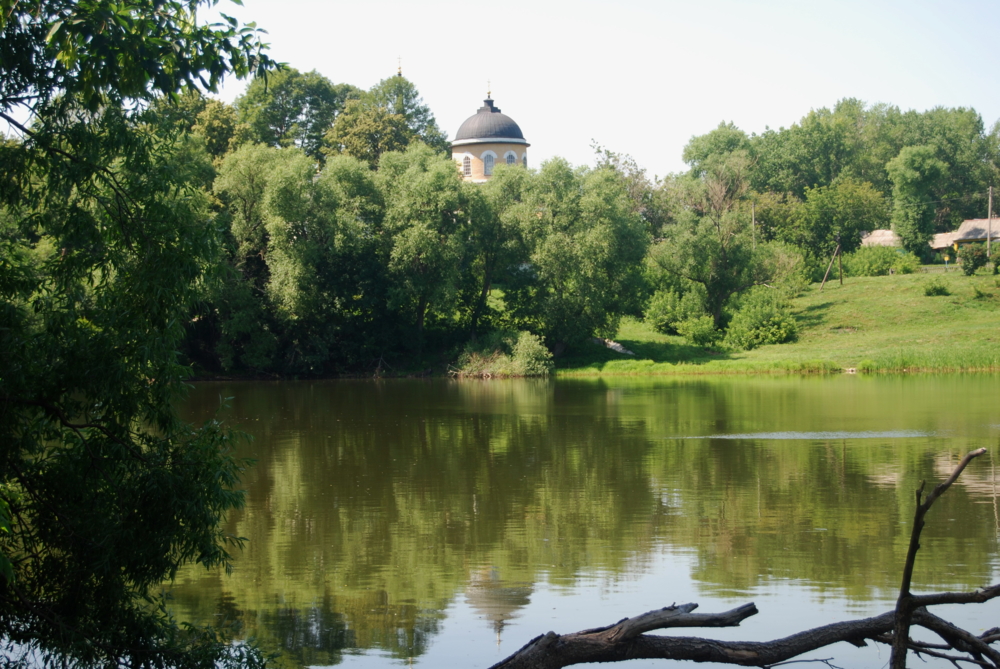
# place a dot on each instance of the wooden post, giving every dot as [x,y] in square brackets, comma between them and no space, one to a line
[989,226]
[830,266]
[840,264]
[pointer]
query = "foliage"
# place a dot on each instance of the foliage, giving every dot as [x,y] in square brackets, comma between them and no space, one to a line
[763,318]
[936,288]
[424,200]
[666,308]
[218,124]
[838,214]
[914,172]
[880,261]
[649,201]
[289,108]
[366,131]
[397,95]
[496,244]
[105,234]
[99,53]
[389,117]
[585,244]
[972,257]
[505,353]
[699,330]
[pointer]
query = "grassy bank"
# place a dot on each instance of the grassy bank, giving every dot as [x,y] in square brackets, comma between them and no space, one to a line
[877,324]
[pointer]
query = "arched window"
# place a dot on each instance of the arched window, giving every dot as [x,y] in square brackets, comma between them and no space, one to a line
[511,158]
[488,164]
[467,166]
[524,161]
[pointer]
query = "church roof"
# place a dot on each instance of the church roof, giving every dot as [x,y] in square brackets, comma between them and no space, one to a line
[490,125]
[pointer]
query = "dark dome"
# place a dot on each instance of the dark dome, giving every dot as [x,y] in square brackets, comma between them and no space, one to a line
[489,123]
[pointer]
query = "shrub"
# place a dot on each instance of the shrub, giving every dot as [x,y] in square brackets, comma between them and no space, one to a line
[879,261]
[530,357]
[699,330]
[667,308]
[972,257]
[763,318]
[504,353]
[935,287]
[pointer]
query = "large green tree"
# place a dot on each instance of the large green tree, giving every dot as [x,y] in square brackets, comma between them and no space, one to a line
[914,173]
[291,108]
[104,235]
[585,245]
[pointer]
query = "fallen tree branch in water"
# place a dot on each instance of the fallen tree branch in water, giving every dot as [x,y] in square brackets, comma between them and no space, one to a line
[628,638]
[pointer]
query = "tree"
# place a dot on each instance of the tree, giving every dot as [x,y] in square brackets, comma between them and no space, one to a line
[365,131]
[289,108]
[104,237]
[650,200]
[586,244]
[703,151]
[426,219]
[496,245]
[389,117]
[398,95]
[836,215]
[218,124]
[915,172]
[714,248]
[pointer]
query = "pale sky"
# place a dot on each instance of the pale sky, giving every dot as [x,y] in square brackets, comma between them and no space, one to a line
[639,76]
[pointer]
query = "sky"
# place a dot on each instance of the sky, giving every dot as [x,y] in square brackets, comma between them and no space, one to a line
[642,77]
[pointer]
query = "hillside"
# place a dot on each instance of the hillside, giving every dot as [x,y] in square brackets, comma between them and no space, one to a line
[868,324]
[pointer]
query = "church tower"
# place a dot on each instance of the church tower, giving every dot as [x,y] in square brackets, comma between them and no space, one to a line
[486,139]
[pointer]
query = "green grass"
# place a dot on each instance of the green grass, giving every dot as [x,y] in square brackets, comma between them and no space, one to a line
[877,324]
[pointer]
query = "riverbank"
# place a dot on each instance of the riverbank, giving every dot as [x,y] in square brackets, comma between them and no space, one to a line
[870,324]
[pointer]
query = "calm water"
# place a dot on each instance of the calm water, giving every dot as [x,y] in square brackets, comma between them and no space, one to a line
[443,523]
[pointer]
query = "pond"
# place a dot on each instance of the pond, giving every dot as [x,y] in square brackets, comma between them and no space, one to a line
[442,523]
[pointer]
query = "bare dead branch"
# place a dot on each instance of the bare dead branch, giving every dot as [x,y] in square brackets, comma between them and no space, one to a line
[613,643]
[975,597]
[905,605]
[958,638]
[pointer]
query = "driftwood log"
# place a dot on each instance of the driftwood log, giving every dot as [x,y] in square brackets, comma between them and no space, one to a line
[628,638]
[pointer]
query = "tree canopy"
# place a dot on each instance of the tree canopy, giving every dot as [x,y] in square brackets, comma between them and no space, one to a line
[105,233]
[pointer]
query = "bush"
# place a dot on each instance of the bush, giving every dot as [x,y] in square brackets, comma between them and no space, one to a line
[667,308]
[763,318]
[531,358]
[935,287]
[699,330]
[880,261]
[504,353]
[972,257]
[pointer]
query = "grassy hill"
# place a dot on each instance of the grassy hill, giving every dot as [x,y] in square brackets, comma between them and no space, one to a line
[868,324]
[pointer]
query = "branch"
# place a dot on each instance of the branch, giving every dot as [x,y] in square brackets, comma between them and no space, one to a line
[625,641]
[905,604]
[958,638]
[977,596]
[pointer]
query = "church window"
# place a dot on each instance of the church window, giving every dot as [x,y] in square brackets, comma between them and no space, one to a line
[488,164]
[467,166]
[511,158]
[524,161]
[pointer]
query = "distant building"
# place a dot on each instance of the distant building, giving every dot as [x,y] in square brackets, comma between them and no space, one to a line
[942,241]
[485,140]
[975,230]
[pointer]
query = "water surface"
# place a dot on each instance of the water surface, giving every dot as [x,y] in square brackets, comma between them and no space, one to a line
[445,523]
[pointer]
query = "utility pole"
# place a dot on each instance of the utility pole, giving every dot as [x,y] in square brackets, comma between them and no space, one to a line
[989,226]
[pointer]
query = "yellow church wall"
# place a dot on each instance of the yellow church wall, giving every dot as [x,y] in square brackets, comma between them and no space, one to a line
[477,151]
